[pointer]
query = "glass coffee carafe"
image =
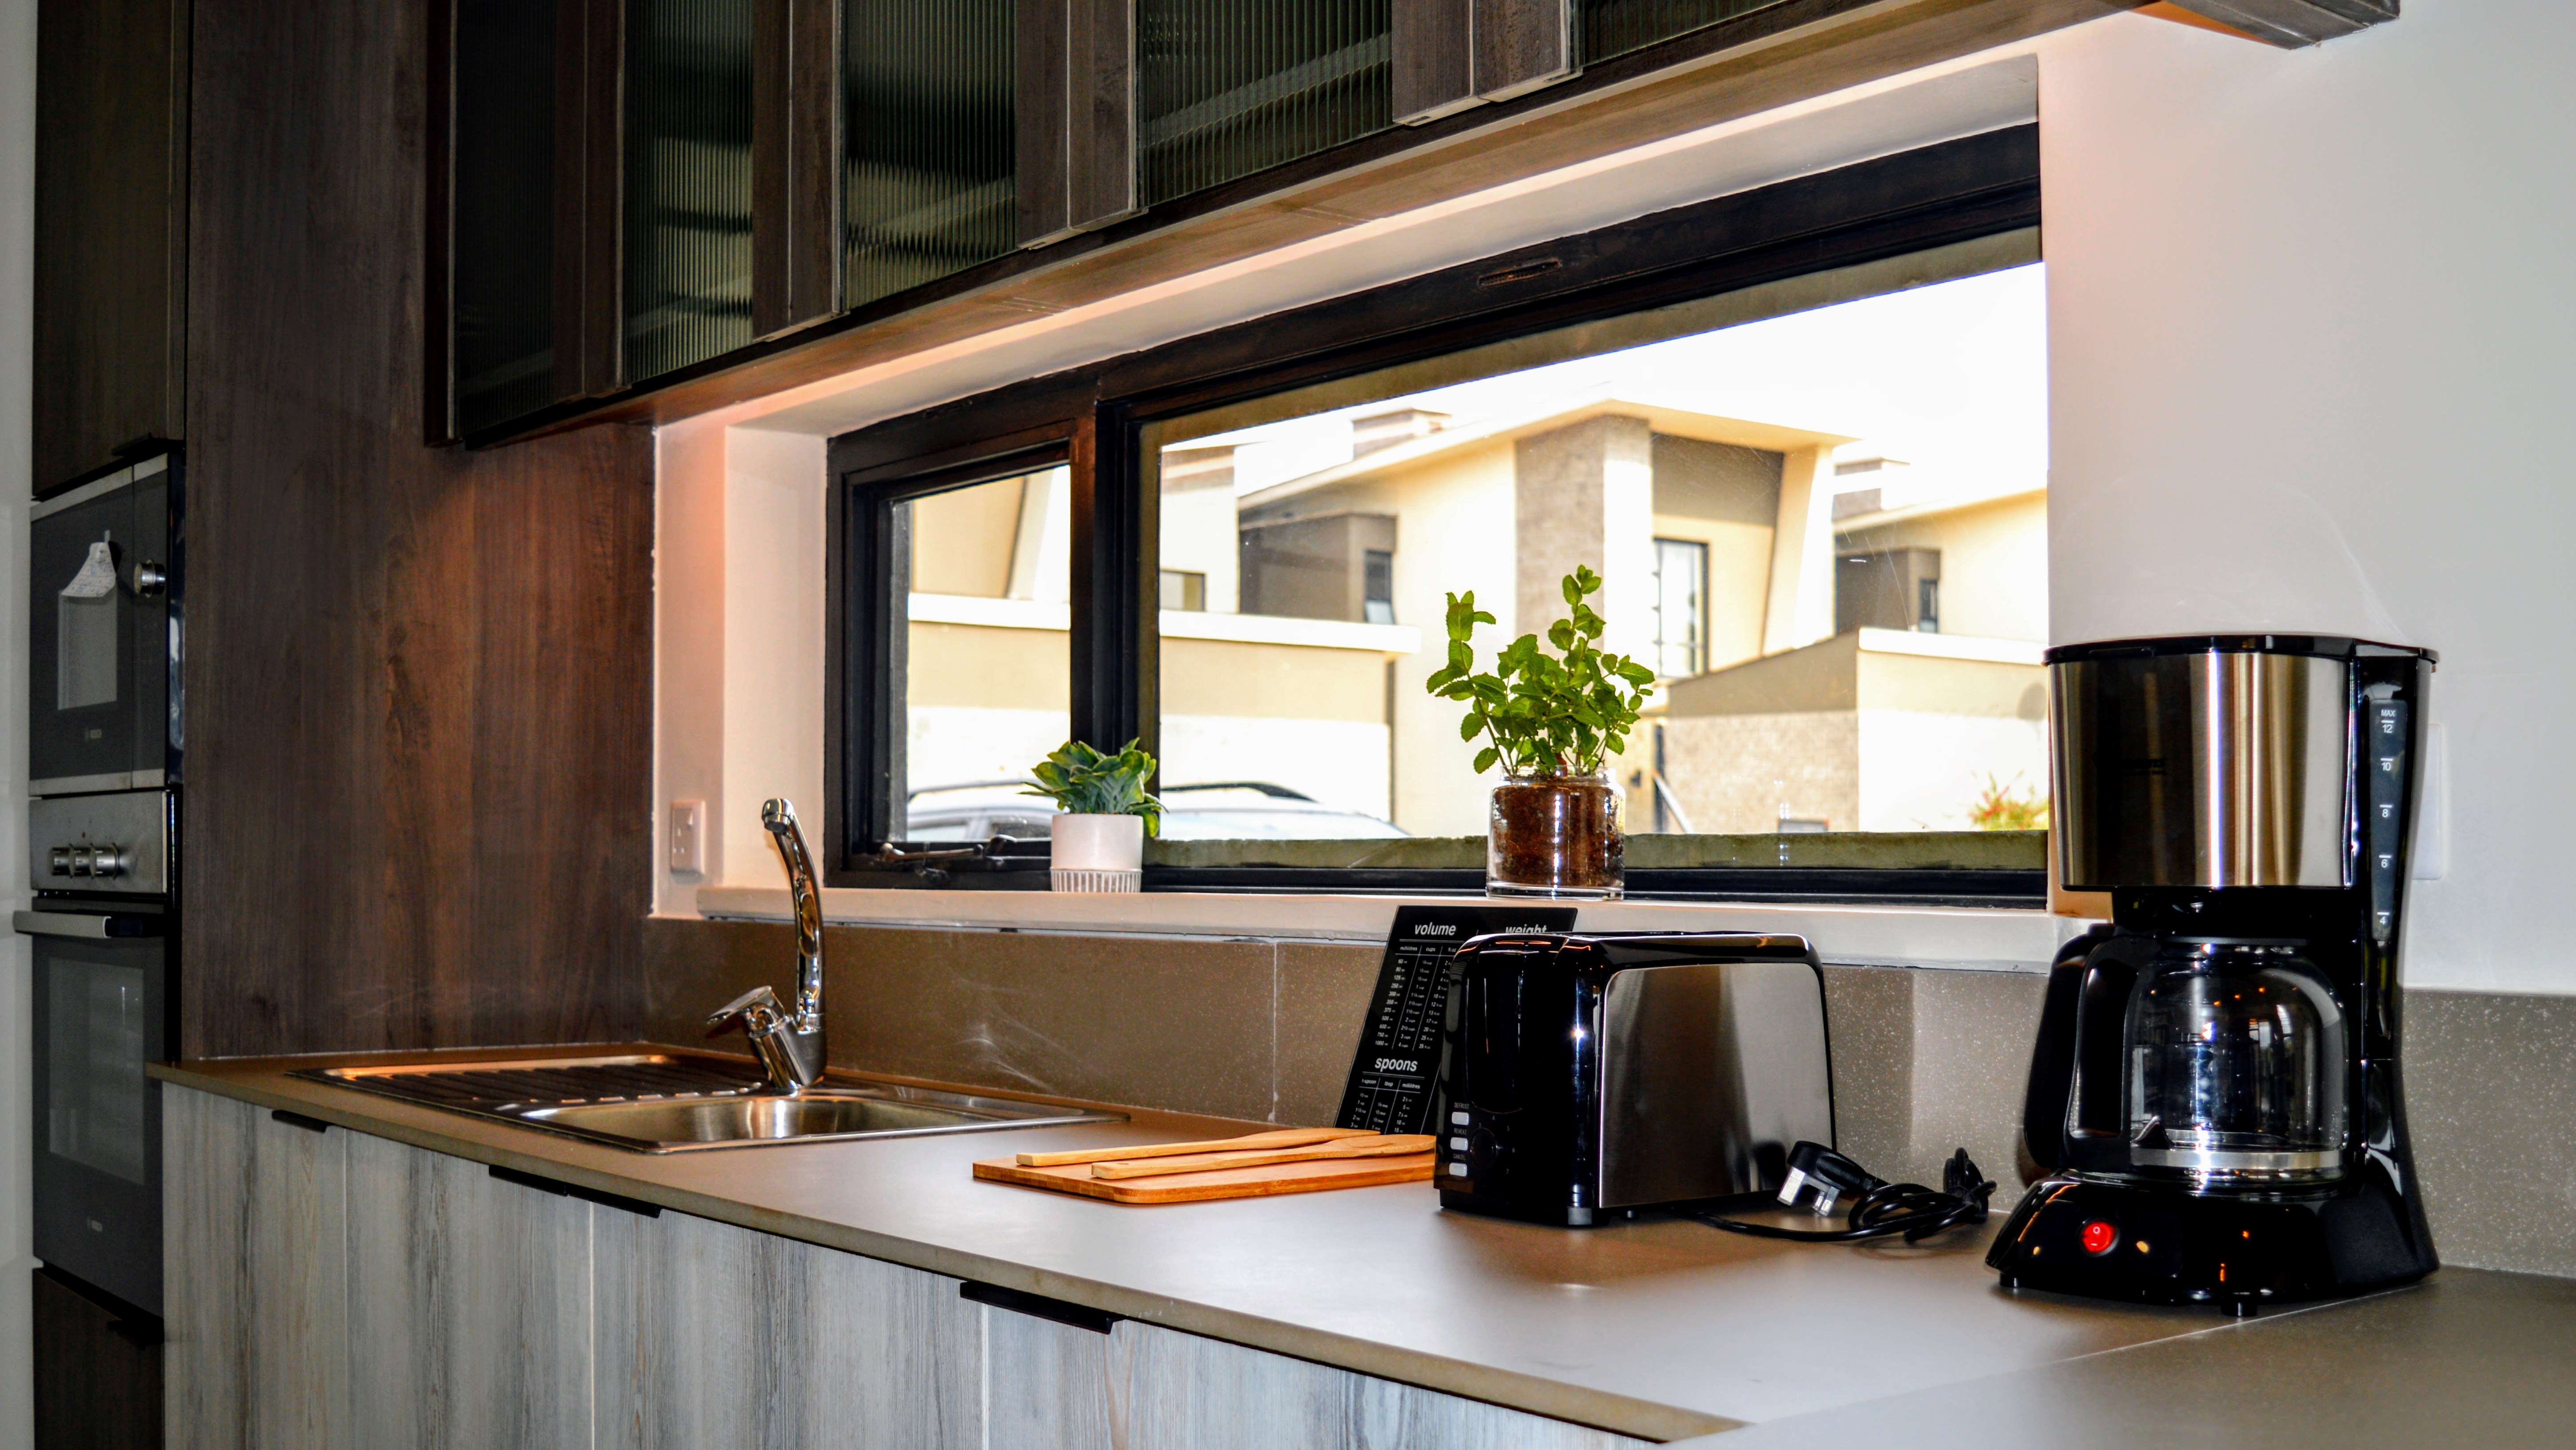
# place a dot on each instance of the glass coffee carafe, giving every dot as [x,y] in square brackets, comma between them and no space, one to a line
[2236,1067]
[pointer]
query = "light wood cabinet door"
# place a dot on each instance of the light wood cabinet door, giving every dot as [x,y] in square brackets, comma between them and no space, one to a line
[1138,1387]
[255,1279]
[712,1337]
[469,1305]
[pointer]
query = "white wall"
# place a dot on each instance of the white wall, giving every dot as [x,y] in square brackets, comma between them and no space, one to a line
[2312,327]
[17,282]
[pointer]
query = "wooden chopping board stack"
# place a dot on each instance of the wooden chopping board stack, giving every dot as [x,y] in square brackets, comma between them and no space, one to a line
[1288,1160]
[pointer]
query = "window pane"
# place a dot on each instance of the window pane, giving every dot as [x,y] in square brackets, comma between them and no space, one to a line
[504,169]
[688,183]
[987,677]
[930,181]
[1227,88]
[1614,27]
[1824,531]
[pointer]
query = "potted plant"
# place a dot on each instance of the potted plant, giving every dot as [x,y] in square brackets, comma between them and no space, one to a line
[1550,721]
[1098,843]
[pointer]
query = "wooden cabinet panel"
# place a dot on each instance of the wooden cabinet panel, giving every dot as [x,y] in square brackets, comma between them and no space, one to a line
[469,1305]
[111,231]
[97,1372]
[1052,1387]
[255,1216]
[710,1336]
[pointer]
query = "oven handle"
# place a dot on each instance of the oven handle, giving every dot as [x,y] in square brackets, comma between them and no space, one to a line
[91,925]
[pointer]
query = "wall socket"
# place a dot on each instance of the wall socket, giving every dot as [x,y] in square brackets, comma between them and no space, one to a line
[688,836]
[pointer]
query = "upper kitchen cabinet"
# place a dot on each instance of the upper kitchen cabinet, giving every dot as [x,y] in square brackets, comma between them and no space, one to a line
[690,130]
[111,233]
[1225,90]
[930,179]
[533,245]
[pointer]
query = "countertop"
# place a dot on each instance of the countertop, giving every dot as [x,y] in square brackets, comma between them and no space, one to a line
[1660,1328]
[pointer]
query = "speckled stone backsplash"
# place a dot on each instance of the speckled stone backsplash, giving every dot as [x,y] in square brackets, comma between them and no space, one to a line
[1924,1061]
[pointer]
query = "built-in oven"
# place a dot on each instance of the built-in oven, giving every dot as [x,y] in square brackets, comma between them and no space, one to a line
[102,1011]
[105,623]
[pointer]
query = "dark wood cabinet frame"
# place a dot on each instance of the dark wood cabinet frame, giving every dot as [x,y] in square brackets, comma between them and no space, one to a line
[1077,207]
[1093,419]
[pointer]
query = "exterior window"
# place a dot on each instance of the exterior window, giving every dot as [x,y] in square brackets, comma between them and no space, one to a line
[1377,589]
[1183,589]
[984,669]
[1786,600]
[1681,616]
[1817,508]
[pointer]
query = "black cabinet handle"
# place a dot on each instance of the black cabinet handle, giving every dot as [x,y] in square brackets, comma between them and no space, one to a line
[1039,1306]
[635,1206]
[298,1120]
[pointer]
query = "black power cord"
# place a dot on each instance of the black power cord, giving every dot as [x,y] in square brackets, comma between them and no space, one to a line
[1879,1209]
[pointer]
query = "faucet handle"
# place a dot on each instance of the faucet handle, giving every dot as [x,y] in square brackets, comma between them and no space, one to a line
[759,1009]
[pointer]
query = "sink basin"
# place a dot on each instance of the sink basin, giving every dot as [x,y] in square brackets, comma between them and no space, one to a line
[669,1102]
[815,1113]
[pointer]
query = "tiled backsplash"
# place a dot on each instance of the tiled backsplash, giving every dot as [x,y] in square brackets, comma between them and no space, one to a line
[1924,1060]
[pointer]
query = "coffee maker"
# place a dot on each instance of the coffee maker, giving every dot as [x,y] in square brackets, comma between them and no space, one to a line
[2215,1090]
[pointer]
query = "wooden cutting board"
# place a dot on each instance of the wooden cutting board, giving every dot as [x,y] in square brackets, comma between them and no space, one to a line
[1225,1183]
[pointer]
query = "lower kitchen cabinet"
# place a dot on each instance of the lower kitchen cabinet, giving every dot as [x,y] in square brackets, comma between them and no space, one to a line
[1140,1387]
[98,1370]
[712,1337]
[255,1292]
[331,1289]
[469,1305]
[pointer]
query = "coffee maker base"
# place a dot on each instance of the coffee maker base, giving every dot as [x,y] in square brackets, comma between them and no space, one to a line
[2075,1235]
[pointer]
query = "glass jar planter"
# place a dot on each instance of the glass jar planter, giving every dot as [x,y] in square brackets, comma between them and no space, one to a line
[1556,836]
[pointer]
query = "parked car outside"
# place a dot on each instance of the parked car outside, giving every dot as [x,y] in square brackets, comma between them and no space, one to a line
[1219,811]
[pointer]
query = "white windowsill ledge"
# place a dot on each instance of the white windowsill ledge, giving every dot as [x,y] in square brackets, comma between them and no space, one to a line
[1889,936]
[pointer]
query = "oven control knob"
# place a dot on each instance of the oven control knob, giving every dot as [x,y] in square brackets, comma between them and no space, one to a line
[61,860]
[107,860]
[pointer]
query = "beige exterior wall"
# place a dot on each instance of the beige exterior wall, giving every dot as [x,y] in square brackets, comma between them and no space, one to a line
[1994,563]
[1865,738]
[1727,498]
[1739,774]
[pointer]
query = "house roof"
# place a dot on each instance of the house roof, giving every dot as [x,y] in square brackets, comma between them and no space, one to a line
[1677,422]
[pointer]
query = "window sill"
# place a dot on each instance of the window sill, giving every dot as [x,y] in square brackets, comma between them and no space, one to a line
[1890,936]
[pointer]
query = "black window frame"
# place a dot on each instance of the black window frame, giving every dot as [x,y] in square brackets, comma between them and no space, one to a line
[1914,201]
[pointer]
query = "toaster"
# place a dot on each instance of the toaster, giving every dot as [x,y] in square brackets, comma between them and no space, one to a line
[1585,1076]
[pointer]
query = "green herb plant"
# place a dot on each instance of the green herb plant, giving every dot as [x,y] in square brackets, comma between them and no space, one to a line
[1544,715]
[1083,781]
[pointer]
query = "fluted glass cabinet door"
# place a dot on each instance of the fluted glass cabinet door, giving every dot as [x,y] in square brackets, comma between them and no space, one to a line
[688,182]
[1609,28]
[929,152]
[1227,88]
[503,253]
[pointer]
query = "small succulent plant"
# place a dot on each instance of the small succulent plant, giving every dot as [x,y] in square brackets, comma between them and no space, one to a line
[1084,781]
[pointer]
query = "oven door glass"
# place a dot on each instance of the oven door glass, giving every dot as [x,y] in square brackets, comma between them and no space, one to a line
[99,651]
[100,1010]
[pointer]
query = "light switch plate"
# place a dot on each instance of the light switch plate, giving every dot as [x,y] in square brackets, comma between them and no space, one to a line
[688,836]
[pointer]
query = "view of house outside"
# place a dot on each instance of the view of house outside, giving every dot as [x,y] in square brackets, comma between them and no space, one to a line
[1826,532]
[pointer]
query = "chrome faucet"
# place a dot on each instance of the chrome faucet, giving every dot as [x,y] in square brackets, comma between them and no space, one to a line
[789,1045]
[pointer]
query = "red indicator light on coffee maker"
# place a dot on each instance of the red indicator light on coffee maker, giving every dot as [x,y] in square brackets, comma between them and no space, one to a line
[2100,1237]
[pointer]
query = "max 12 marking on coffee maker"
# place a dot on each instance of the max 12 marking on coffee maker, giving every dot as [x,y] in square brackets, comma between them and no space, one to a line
[2215,1089]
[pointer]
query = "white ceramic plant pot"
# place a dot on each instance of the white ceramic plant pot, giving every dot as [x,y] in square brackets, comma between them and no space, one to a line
[1097,853]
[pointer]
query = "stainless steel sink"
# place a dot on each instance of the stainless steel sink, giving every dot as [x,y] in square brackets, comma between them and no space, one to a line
[679,1102]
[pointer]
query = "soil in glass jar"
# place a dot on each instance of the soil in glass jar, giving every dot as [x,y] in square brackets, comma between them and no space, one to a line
[1555,836]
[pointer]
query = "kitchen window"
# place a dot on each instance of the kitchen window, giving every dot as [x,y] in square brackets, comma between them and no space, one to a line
[1770,455]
